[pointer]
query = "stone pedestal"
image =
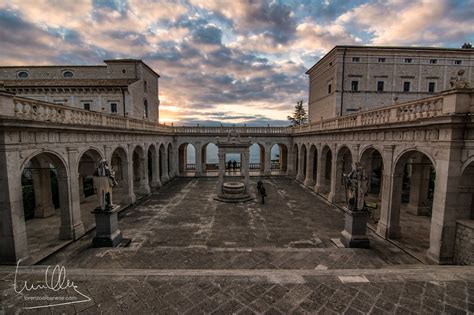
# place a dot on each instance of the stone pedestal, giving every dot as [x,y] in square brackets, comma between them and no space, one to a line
[355,230]
[107,233]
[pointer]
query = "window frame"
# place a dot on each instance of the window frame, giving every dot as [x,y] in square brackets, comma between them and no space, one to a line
[408,60]
[405,85]
[355,83]
[355,59]
[377,86]
[431,83]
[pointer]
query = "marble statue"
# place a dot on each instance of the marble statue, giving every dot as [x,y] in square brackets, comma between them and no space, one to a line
[104,180]
[356,184]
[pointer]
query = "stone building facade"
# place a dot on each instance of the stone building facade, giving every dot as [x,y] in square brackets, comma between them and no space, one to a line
[122,87]
[360,78]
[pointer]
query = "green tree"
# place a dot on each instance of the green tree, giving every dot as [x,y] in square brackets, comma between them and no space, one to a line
[299,117]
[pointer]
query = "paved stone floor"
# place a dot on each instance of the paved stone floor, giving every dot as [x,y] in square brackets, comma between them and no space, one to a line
[191,254]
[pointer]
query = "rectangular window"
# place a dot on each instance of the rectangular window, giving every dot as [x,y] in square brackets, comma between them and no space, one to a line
[433,61]
[87,105]
[431,87]
[355,59]
[113,108]
[145,87]
[381,59]
[408,60]
[406,86]
[355,86]
[458,62]
[329,88]
[380,85]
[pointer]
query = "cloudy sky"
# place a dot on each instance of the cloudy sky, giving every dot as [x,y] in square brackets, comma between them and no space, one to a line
[226,61]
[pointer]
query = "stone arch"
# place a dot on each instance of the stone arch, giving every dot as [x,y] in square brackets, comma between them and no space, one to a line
[119,162]
[140,179]
[295,158]
[372,161]
[260,165]
[48,170]
[412,196]
[88,160]
[152,169]
[170,160]
[282,163]
[343,166]
[313,156]
[210,164]
[466,190]
[163,163]
[326,157]
[184,165]
[302,156]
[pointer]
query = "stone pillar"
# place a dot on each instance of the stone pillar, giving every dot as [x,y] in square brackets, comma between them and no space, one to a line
[198,157]
[82,196]
[309,181]
[290,170]
[246,166]
[300,174]
[164,165]
[320,172]
[389,223]
[268,160]
[130,183]
[13,239]
[337,167]
[446,208]
[156,183]
[70,207]
[419,186]
[144,183]
[42,187]
[221,156]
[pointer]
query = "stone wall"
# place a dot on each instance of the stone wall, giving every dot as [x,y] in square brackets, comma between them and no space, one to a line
[464,248]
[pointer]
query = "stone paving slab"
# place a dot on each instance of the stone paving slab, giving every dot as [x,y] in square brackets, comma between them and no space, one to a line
[439,290]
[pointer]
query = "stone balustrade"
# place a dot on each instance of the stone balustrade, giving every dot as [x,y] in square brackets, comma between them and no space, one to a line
[226,129]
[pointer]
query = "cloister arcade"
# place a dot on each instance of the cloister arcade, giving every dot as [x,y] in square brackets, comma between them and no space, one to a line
[419,157]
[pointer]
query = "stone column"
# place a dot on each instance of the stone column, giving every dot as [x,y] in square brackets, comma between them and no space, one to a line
[309,181]
[164,164]
[446,207]
[13,239]
[389,223]
[267,170]
[156,183]
[130,183]
[337,189]
[198,157]
[221,156]
[70,207]
[82,196]
[245,164]
[321,171]
[144,183]
[42,187]
[419,186]
[290,170]
[300,157]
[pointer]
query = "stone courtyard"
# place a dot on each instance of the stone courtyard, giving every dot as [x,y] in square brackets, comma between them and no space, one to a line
[191,254]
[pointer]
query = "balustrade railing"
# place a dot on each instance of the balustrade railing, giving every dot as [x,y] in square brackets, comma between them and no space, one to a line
[28,109]
[411,111]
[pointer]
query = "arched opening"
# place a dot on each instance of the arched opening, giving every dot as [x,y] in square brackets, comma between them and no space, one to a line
[45,202]
[170,160]
[163,161]
[187,160]
[295,159]
[324,185]
[210,158]
[279,158]
[152,173]
[466,189]
[412,201]
[343,166]
[257,158]
[88,162]
[119,164]
[371,160]
[313,152]
[302,163]
[140,179]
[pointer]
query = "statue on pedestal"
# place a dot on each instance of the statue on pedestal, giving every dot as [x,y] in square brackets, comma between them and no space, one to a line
[104,180]
[356,184]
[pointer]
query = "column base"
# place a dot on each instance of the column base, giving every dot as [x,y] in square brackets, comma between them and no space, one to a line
[435,258]
[130,199]
[164,179]
[71,233]
[309,182]
[355,230]
[155,184]
[418,210]
[299,177]
[44,212]
[144,190]
[267,173]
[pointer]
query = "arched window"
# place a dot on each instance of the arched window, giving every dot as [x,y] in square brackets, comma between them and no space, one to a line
[145,110]
[68,74]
